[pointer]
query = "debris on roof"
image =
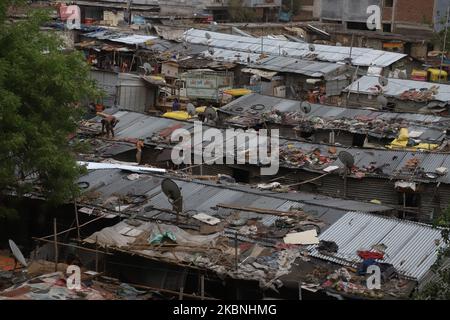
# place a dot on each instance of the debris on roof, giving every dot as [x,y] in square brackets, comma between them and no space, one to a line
[419,91]
[254,109]
[312,157]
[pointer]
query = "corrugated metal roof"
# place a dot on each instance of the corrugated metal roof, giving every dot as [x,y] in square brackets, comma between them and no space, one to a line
[203,196]
[138,125]
[411,247]
[275,47]
[396,87]
[432,127]
[391,162]
[120,37]
[277,63]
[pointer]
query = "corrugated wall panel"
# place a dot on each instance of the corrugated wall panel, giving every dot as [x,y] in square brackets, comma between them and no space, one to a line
[107,81]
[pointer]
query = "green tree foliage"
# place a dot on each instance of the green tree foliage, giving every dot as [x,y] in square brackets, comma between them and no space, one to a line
[439,289]
[239,13]
[40,87]
[293,6]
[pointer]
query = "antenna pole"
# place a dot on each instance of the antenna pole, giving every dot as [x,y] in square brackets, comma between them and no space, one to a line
[351,47]
[445,43]
[262,40]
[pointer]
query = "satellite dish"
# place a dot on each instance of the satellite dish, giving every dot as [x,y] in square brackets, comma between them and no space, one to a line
[383,81]
[347,159]
[148,27]
[173,193]
[348,60]
[312,47]
[208,35]
[17,253]
[170,189]
[382,101]
[305,106]
[190,109]
[210,114]
[147,68]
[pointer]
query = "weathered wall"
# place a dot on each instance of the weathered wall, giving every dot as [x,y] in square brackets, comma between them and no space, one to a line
[440,9]
[134,94]
[433,200]
[346,10]
[106,81]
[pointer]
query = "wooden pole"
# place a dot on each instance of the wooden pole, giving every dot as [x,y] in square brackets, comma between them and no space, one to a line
[351,48]
[202,287]
[96,253]
[104,258]
[67,245]
[180,297]
[55,238]
[300,291]
[236,251]
[345,182]
[169,291]
[76,219]
[444,46]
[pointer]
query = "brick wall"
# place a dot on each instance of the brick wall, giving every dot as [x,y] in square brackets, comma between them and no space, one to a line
[414,11]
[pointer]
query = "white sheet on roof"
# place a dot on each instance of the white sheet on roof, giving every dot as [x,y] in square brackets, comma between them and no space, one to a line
[101,165]
[116,237]
[134,39]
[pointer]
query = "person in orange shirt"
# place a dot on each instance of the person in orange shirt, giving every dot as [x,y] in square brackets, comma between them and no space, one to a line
[139,147]
[312,97]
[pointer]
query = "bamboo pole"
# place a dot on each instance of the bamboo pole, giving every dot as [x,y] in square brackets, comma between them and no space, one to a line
[68,245]
[96,253]
[76,219]
[202,287]
[55,239]
[236,251]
